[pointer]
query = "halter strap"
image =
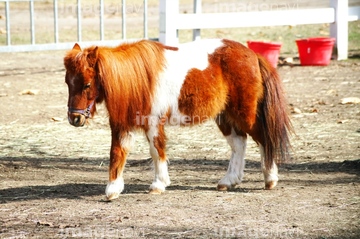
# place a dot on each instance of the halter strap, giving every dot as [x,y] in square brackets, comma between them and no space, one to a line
[86,112]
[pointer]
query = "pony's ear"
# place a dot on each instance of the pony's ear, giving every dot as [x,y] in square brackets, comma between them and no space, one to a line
[92,56]
[76,47]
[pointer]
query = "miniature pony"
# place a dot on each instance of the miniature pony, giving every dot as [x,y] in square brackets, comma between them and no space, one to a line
[146,84]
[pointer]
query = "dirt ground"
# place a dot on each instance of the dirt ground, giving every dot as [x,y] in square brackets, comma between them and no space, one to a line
[53,175]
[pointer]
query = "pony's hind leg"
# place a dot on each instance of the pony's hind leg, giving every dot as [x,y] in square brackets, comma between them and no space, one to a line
[270,175]
[120,146]
[235,172]
[157,138]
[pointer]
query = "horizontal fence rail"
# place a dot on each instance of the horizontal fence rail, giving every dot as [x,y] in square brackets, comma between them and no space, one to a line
[252,19]
[338,14]
[354,13]
[56,44]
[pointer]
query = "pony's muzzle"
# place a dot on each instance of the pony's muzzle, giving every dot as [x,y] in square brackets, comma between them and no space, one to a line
[76,119]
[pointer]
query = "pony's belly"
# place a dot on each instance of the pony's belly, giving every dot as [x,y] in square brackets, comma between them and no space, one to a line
[176,118]
[180,119]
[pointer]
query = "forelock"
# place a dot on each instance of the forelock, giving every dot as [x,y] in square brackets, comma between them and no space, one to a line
[75,61]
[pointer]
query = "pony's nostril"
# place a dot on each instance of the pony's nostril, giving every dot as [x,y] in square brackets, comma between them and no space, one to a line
[76,120]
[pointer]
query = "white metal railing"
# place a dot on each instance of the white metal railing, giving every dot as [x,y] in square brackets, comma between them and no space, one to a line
[338,14]
[56,44]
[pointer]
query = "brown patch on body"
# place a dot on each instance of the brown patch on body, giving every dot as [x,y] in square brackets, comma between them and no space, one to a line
[117,162]
[160,143]
[203,94]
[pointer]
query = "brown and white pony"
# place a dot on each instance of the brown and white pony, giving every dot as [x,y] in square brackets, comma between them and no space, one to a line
[146,84]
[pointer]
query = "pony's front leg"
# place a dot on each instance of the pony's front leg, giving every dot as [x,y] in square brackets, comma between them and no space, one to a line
[157,138]
[120,146]
[270,175]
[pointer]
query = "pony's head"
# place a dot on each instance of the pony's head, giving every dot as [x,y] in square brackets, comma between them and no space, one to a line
[83,86]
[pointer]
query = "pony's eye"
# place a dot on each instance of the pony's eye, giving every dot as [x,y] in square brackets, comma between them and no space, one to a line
[87,86]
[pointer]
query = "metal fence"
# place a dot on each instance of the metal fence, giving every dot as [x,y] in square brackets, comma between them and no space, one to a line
[56,44]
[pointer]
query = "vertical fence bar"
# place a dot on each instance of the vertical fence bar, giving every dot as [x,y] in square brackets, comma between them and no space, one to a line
[7,15]
[169,10]
[56,25]
[101,8]
[145,19]
[123,15]
[79,20]
[339,29]
[197,9]
[32,23]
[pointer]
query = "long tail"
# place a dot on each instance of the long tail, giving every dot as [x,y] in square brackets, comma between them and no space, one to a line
[273,116]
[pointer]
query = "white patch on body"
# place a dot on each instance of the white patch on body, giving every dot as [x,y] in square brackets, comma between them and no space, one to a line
[178,63]
[236,167]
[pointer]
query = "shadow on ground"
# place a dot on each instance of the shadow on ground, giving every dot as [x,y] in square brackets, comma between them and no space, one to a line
[80,190]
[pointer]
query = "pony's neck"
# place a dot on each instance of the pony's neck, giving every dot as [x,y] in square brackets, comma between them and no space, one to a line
[128,75]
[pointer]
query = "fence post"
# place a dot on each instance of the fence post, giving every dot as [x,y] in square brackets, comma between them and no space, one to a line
[56,25]
[145,19]
[101,19]
[32,22]
[79,26]
[339,29]
[7,18]
[123,19]
[169,10]
[197,9]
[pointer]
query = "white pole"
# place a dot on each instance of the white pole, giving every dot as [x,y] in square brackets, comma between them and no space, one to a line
[339,29]
[7,18]
[79,26]
[32,22]
[123,15]
[169,10]
[197,9]
[101,16]
[146,19]
[56,25]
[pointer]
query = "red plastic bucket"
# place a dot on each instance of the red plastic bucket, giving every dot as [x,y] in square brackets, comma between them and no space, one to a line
[270,50]
[315,51]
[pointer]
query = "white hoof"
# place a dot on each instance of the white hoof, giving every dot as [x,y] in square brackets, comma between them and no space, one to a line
[271,181]
[157,187]
[114,188]
[270,185]
[229,181]
[165,180]
[271,177]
